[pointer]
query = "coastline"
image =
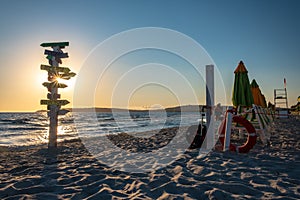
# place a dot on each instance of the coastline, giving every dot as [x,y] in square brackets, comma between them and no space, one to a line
[70,171]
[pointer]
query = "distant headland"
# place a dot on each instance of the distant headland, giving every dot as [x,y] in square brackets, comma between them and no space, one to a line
[185,108]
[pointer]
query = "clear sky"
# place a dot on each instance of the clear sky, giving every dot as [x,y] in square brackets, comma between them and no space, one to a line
[264,34]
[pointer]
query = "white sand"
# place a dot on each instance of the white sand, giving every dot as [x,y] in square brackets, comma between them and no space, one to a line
[71,172]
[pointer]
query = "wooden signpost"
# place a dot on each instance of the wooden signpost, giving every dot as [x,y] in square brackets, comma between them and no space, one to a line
[54,102]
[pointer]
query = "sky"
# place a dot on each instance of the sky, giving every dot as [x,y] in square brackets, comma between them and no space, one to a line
[263,34]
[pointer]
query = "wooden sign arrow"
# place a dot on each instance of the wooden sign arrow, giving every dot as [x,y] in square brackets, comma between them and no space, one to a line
[54,44]
[63,112]
[70,74]
[67,76]
[60,112]
[56,54]
[55,69]
[54,84]
[54,102]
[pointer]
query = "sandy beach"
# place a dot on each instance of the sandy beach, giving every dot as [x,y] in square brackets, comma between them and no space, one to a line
[71,172]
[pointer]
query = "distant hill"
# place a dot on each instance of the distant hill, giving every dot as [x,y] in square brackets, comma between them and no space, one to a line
[185,108]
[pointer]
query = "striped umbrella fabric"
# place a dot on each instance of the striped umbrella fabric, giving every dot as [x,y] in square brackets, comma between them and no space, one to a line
[241,95]
[258,97]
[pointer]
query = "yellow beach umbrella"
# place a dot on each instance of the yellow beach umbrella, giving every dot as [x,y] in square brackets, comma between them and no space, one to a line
[258,98]
[264,105]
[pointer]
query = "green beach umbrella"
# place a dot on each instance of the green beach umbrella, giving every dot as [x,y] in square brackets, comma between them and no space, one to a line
[241,95]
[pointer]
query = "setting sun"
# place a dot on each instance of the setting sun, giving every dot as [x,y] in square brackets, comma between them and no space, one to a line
[70,83]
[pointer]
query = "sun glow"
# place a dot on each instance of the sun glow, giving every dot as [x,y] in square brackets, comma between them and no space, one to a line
[42,78]
[59,79]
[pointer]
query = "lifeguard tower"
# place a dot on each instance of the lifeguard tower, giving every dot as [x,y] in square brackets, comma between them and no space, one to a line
[281,101]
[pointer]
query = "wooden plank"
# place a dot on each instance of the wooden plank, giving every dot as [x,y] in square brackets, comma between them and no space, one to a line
[70,74]
[54,102]
[53,44]
[56,54]
[60,112]
[55,69]
[63,112]
[67,76]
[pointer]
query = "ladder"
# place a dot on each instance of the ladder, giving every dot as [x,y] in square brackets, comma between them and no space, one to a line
[280,98]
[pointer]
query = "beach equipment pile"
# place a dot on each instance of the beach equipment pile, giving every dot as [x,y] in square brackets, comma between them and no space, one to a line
[250,114]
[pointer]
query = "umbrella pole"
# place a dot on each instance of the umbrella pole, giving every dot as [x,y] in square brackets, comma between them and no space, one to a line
[240,110]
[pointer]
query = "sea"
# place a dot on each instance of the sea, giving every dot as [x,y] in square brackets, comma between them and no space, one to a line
[32,128]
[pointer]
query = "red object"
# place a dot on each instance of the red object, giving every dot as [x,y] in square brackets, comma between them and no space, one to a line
[251,141]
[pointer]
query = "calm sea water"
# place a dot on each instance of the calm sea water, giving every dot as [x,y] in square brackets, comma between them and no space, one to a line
[18,129]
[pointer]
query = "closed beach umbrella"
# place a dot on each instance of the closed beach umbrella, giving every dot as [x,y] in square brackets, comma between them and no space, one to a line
[264,105]
[241,95]
[258,97]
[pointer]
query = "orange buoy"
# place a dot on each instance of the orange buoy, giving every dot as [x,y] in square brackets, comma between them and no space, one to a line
[251,140]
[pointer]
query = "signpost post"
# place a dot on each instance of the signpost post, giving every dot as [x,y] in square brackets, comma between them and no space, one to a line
[54,72]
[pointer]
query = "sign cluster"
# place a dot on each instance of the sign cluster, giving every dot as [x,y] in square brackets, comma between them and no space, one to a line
[55,73]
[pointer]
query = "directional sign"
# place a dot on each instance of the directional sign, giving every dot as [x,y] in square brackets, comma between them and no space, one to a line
[61,85]
[55,69]
[54,84]
[58,60]
[63,112]
[60,112]
[54,102]
[70,74]
[56,54]
[54,44]
[67,76]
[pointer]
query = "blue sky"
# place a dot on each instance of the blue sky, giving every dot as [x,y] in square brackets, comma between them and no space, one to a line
[264,34]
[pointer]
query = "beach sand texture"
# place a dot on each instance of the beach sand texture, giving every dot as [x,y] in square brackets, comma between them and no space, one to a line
[71,172]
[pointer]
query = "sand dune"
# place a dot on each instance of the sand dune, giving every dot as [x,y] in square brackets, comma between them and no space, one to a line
[71,172]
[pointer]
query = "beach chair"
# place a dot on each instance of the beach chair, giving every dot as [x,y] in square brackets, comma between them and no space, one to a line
[262,124]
